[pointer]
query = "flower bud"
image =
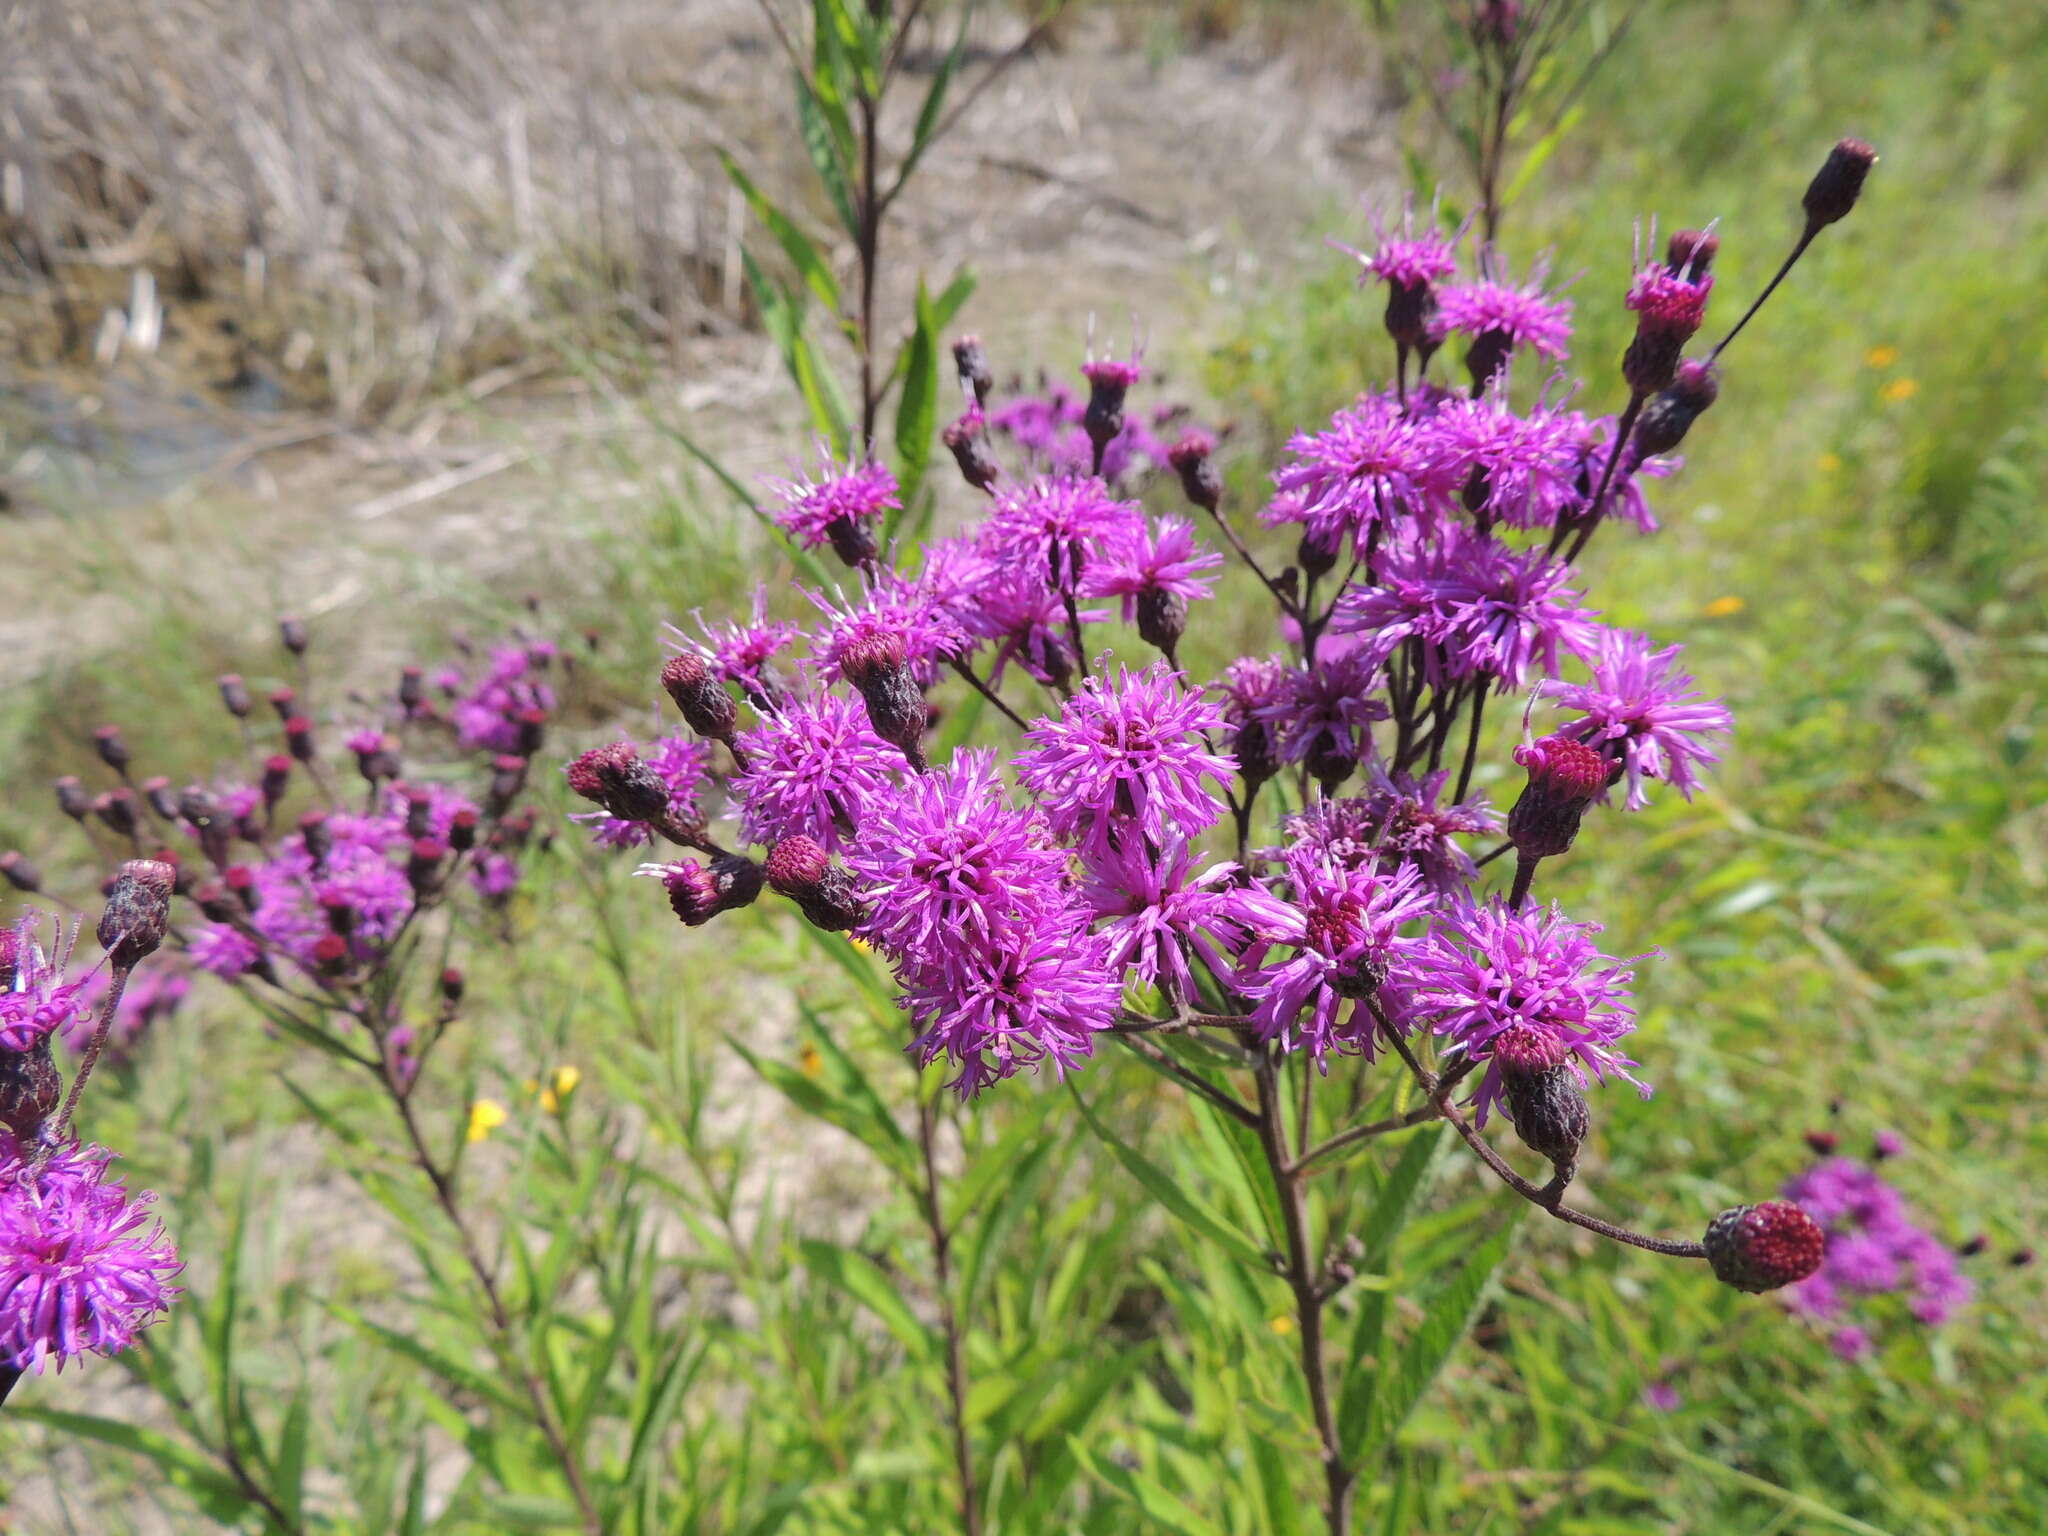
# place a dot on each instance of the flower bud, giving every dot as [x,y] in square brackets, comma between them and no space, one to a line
[532,725]
[1162,618]
[317,835]
[970,361]
[284,702]
[508,780]
[1823,1142]
[895,703]
[1489,354]
[1193,459]
[157,791]
[330,954]
[31,1087]
[452,985]
[614,777]
[1669,414]
[1761,1247]
[699,892]
[419,813]
[1253,749]
[19,873]
[138,910]
[293,633]
[1108,382]
[462,830]
[1316,557]
[298,738]
[1544,1096]
[72,799]
[116,808]
[1971,1247]
[968,444]
[113,750]
[277,777]
[852,540]
[241,884]
[1692,250]
[1838,183]
[706,707]
[1329,760]
[234,694]
[423,864]
[412,688]
[1564,778]
[801,870]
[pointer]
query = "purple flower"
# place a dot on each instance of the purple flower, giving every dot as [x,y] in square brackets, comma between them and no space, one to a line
[1040,995]
[35,999]
[1874,1247]
[83,1267]
[899,614]
[1345,933]
[1128,751]
[811,770]
[1516,316]
[742,653]
[1406,259]
[1641,708]
[1504,613]
[486,714]
[1323,716]
[1157,917]
[1520,471]
[1371,466]
[1054,528]
[1249,685]
[1662,1397]
[949,867]
[223,951]
[1398,820]
[844,496]
[1048,428]
[493,875]
[1485,969]
[1851,1343]
[1168,559]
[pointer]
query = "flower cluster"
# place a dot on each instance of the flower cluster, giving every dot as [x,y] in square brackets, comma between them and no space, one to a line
[1874,1248]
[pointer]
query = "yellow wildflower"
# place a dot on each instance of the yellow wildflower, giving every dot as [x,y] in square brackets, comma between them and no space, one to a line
[1881,356]
[1899,389]
[808,1058]
[1724,607]
[1282,1325]
[485,1116]
[561,1083]
[1830,463]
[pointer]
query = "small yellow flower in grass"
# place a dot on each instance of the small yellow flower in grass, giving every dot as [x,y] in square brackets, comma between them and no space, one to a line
[1829,463]
[860,944]
[1282,1325]
[1899,389]
[1724,607]
[485,1116]
[810,1060]
[561,1084]
[1881,356]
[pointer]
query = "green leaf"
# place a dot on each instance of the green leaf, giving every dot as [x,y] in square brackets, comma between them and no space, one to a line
[809,261]
[1449,1316]
[1275,1466]
[864,1280]
[454,1373]
[935,98]
[917,412]
[415,1520]
[828,138]
[1163,1511]
[1396,1198]
[783,321]
[1169,1192]
[846,27]
[183,1468]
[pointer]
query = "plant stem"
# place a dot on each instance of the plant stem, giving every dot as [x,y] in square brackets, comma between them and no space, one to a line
[1420,1115]
[1472,741]
[1305,1280]
[1525,876]
[86,1063]
[1622,431]
[990,694]
[949,1322]
[1798,250]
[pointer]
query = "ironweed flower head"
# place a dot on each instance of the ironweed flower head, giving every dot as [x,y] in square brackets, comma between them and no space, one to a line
[811,771]
[1373,465]
[83,1265]
[1322,717]
[1503,318]
[1055,527]
[1762,1247]
[1565,777]
[1874,1247]
[35,997]
[743,653]
[838,507]
[1642,710]
[682,766]
[1158,916]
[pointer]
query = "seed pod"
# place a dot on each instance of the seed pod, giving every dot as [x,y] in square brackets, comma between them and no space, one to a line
[330,954]
[1544,1096]
[1488,355]
[241,884]
[615,778]
[1761,1247]
[1838,183]
[801,870]
[508,780]
[138,911]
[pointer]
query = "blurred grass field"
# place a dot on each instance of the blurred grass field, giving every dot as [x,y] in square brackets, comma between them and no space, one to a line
[1851,925]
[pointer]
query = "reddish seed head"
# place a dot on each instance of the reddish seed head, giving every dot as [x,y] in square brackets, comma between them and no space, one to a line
[1564,777]
[796,865]
[1522,1050]
[330,953]
[453,985]
[462,830]
[284,701]
[1761,1247]
[298,737]
[1838,183]
[138,911]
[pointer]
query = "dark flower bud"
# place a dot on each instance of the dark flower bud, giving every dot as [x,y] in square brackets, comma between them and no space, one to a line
[706,707]
[277,777]
[376,758]
[970,361]
[1974,1246]
[532,725]
[1329,760]
[968,444]
[462,830]
[1410,314]
[72,799]
[452,985]
[2020,1258]
[138,910]
[1838,183]
[341,916]
[181,873]
[801,870]
[284,701]
[1564,778]
[412,688]
[116,808]
[298,738]
[317,835]
[614,777]
[1488,355]
[1823,1142]
[1253,749]
[423,863]
[22,875]
[330,954]
[162,799]
[1761,1247]
[113,750]
[241,884]
[31,1087]
[1162,618]
[1692,249]
[699,892]
[853,541]
[419,813]
[1316,557]
[896,707]
[1544,1096]
[1193,459]
[293,633]
[508,779]
[1669,414]
[234,694]
[1108,382]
